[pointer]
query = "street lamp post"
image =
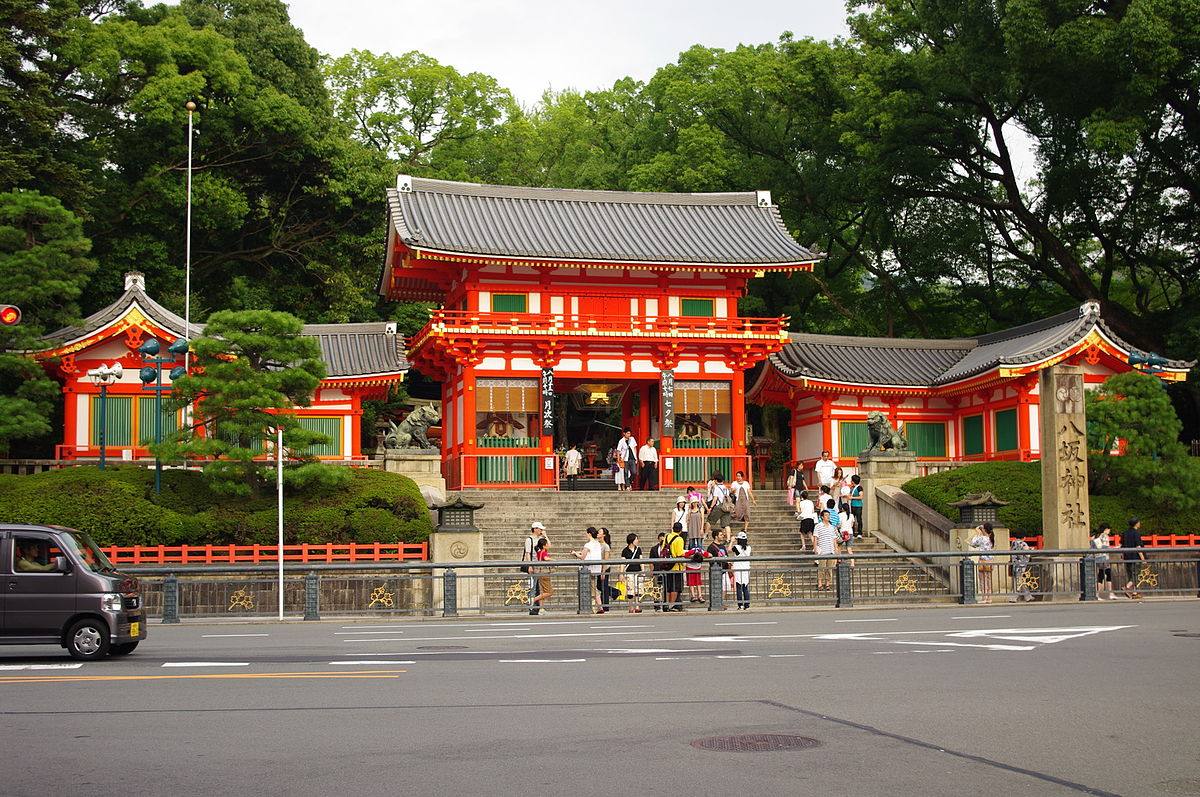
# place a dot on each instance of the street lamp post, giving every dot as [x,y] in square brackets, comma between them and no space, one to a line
[104,376]
[151,376]
[187,245]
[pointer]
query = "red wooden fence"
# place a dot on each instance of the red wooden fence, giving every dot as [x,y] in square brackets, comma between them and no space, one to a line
[1148,540]
[259,554]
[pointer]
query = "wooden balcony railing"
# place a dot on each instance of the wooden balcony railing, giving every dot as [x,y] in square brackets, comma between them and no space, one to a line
[471,322]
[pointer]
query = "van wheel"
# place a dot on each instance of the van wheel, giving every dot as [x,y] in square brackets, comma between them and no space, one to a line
[88,640]
[123,649]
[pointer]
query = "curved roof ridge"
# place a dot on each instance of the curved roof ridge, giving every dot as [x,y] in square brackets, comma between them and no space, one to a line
[607,196]
[947,344]
[1039,325]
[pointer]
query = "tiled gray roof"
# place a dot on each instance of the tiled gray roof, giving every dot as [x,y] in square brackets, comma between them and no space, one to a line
[348,350]
[910,362]
[554,223]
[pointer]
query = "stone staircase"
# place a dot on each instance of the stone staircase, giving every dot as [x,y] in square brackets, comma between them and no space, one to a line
[506,516]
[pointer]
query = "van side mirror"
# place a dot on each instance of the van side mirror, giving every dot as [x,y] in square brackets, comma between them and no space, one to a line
[61,565]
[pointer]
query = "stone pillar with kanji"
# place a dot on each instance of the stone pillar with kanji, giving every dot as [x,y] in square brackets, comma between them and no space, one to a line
[1065,511]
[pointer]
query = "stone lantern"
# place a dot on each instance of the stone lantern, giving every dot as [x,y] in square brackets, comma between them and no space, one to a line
[457,539]
[978,508]
[457,517]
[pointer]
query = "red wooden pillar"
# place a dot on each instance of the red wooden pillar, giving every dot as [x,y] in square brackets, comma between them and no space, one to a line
[827,424]
[467,459]
[1024,399]
[356,428]
[70,421]
[737,412]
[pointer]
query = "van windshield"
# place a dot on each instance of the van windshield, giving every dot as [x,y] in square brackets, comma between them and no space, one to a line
[86,551]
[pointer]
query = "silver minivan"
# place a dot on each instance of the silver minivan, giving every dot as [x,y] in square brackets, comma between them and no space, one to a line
[60,588]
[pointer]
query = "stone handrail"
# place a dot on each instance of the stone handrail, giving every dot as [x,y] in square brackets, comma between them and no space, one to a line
[911,524]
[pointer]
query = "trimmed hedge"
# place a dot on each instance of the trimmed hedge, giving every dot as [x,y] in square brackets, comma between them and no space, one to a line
[118,506]
[1020,483]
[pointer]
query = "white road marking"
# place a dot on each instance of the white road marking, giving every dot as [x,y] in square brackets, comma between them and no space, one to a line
[222,636]
[738,656]
[41,666]
[417,624]
[785,655]
[540,661]
[620,626]
[1043,636]
[372,661]
[768,622]
[502,636]
[874,620]
[667,658]
[491,630]
[207,664]
[364,633]
[982,617]
[884,652]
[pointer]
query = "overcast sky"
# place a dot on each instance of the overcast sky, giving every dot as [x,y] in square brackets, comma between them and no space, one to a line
[532,45]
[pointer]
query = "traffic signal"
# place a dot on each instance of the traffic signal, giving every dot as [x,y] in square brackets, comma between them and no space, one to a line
[10,315]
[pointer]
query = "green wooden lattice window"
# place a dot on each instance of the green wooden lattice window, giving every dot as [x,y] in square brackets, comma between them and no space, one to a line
[146,425]
[118,421]
[925,438]
[853,438]
[972,427]
[1006,430]
[702,308]
[509,303]
[331,428]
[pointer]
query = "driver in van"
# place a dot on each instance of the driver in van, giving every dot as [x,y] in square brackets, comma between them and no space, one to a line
[27,559]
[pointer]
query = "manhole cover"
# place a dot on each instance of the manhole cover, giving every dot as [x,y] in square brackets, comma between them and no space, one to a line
[755,743]
[442,647]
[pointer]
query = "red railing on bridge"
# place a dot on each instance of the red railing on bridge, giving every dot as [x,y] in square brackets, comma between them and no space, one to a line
[326,553]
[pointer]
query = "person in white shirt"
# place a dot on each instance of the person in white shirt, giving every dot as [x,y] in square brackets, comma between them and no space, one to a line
[741,569]
[593,550]
[648,463]
[536,532]
[571,465]
[627,449]
[806,512]
[825,539]
[824,469]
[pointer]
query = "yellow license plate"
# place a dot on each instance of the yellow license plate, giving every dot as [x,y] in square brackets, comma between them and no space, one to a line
[134,629]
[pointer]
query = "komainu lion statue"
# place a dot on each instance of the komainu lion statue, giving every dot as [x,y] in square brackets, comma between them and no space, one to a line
[412,431]
[883,436]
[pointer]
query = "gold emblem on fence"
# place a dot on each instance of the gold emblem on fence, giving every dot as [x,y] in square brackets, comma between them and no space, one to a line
[241,600]
[1028,582]
[381,597]
[779,588]
[1148,577]
[518,592]
[905,583]
[650,589]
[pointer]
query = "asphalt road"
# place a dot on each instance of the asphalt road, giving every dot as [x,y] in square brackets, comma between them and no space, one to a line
[999,699]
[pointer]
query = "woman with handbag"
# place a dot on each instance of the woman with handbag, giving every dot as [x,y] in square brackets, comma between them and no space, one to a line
[983,542]
[545,588]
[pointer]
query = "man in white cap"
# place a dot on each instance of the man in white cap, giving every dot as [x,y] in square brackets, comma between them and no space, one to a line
[536,531]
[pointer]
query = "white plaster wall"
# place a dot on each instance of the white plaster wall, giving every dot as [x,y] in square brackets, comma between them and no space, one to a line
[458,419]
[333,394]
[673,305]
[808,441]
[721,307]
[524,364]
[534,304]
[1035,434]
[651,308]
[606,365]
[493,364]
[347,436]
[716,367]
[569,364]
[83,404]
[643,367]
[688,367]
[556,305]
[485,301]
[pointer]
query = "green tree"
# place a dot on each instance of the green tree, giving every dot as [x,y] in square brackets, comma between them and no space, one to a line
[408,106]
[1133,434]
[250,368]
[44,267]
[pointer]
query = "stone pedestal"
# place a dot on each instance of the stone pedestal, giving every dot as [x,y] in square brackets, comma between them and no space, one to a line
[876,469]
[458,546]
[423,466]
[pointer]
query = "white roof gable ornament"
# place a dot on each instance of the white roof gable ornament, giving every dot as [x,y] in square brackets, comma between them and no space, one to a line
[135,281]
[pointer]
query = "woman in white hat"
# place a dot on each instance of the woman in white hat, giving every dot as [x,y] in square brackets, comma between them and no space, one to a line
[741,569]
[679,513]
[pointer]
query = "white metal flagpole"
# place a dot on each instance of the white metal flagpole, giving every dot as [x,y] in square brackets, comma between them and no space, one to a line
[187,245]
[279,493]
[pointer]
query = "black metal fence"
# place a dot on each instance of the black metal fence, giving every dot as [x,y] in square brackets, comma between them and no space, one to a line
[429,589]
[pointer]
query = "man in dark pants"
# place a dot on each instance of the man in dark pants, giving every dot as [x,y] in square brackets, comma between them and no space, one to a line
[1132,538]
[648,462]
[627,448]
[656,552]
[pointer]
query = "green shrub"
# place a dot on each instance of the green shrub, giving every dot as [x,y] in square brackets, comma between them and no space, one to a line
[326,524]
[118,506]
[1020,483]
[375,525]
